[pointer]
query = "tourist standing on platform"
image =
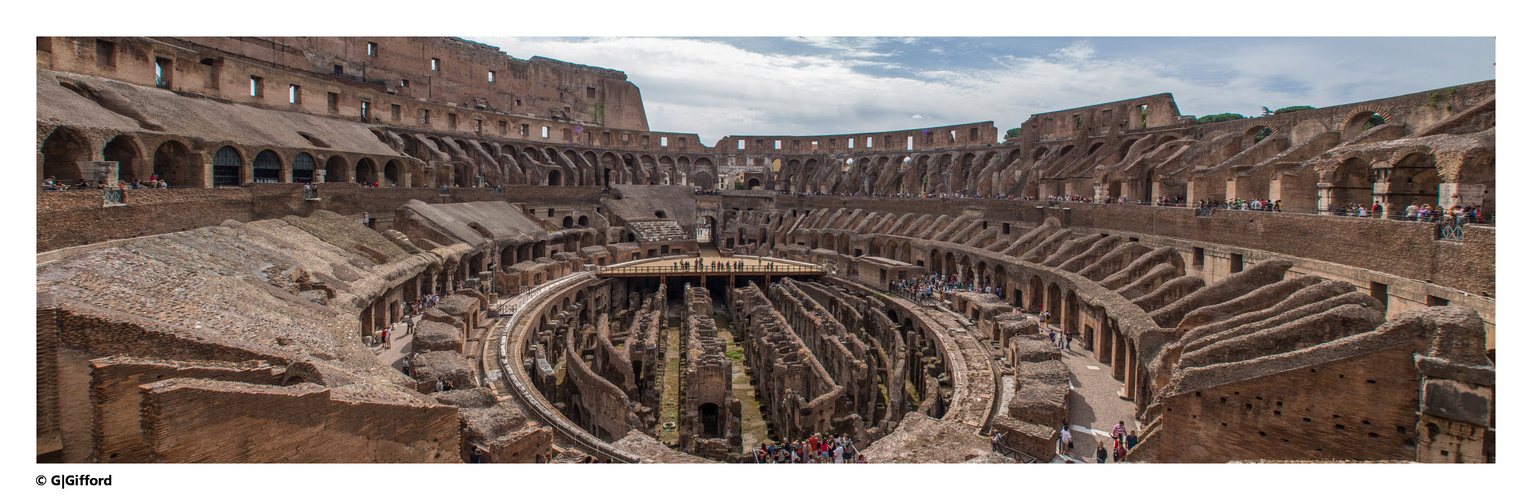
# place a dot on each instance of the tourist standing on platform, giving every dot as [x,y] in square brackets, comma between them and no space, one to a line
[1066,439]
[1100,453]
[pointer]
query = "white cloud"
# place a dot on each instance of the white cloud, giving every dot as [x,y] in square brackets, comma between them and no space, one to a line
[714,89]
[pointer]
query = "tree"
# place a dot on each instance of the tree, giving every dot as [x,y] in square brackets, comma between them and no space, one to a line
[1221,117]
[1012,134]
[1290,109]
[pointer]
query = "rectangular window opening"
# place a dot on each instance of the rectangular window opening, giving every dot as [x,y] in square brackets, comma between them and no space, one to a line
[869,143]
[452,121]
[502,127]
[1434,301]
[425,117]
[1380,291]
[332,101]
[778,145]
[106,53]
[366,110]
[1197,256]
[256,89]
[851,143]
[294,94]
[436,64]
[909,143]
[525,129]
[664,142]
[590,92]
[394,110]
[404,83]
[478,126]
[741,146]
[545,132]
[1236,263]
[162,71]
[372,49]
[491,77]
[340,70]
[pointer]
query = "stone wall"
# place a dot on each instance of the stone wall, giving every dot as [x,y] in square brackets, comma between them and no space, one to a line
[200,420]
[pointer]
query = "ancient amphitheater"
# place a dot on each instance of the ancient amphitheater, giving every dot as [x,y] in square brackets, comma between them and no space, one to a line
[246,218]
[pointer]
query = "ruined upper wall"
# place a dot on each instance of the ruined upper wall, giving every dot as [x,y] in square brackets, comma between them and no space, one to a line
[948,136]
[453,71]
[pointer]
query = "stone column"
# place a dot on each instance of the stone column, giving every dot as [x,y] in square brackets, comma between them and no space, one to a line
[1452,193]
[1325,194]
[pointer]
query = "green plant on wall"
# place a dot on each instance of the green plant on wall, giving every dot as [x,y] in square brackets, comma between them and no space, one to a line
[598,112]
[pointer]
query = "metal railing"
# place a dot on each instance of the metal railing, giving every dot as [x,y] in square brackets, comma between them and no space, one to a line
[1450,231]
[111,197]
[694,270]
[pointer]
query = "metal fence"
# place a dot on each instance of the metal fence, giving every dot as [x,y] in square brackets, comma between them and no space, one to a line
[113,197]
[693,270]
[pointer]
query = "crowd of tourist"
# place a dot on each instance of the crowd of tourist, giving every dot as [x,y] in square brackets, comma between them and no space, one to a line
[816,449]
[52,184]
[939,196]
[936,286]
[1260,205]
[1423,212]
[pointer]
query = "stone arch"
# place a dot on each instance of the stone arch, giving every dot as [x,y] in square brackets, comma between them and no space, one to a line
[610,173]
[555,177]
[1350,182]
[124,150]
[266,168]
[227,163]
[366,171]
[1255,134]
[393,173]
[1361,121]
[337,169]
[303,168]
[176,166]
[1039,153]
[62,150]
[1415,179]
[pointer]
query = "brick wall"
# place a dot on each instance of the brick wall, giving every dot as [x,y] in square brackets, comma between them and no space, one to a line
[72,218]
[117,435]
[1308,413]
[1403,249]
[199,420]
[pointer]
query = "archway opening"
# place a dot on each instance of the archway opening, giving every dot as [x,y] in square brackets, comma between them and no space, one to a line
[267,167]
[335,170]
[366,171]
[708,415]
[173,163]
[226,165]
[555,178]
[303,168]
[62,152]
[123,151]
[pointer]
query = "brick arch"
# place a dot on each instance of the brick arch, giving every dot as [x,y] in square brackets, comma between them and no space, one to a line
[126,150]
[61,149]
[177,165]
[337,168]
[1356,118]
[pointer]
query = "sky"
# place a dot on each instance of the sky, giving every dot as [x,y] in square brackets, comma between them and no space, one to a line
[833,85]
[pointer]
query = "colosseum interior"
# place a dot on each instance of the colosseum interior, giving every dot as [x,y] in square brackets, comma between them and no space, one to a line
[559,283]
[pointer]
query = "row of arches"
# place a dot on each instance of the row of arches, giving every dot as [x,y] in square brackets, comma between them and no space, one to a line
[174,162]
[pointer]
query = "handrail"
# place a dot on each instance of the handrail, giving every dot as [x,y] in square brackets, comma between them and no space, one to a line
[705,270]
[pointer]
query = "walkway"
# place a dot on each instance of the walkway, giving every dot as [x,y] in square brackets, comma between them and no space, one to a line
[1093,403]
[750,265]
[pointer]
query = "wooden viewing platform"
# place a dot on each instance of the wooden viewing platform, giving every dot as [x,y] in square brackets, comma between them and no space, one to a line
[670,267]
